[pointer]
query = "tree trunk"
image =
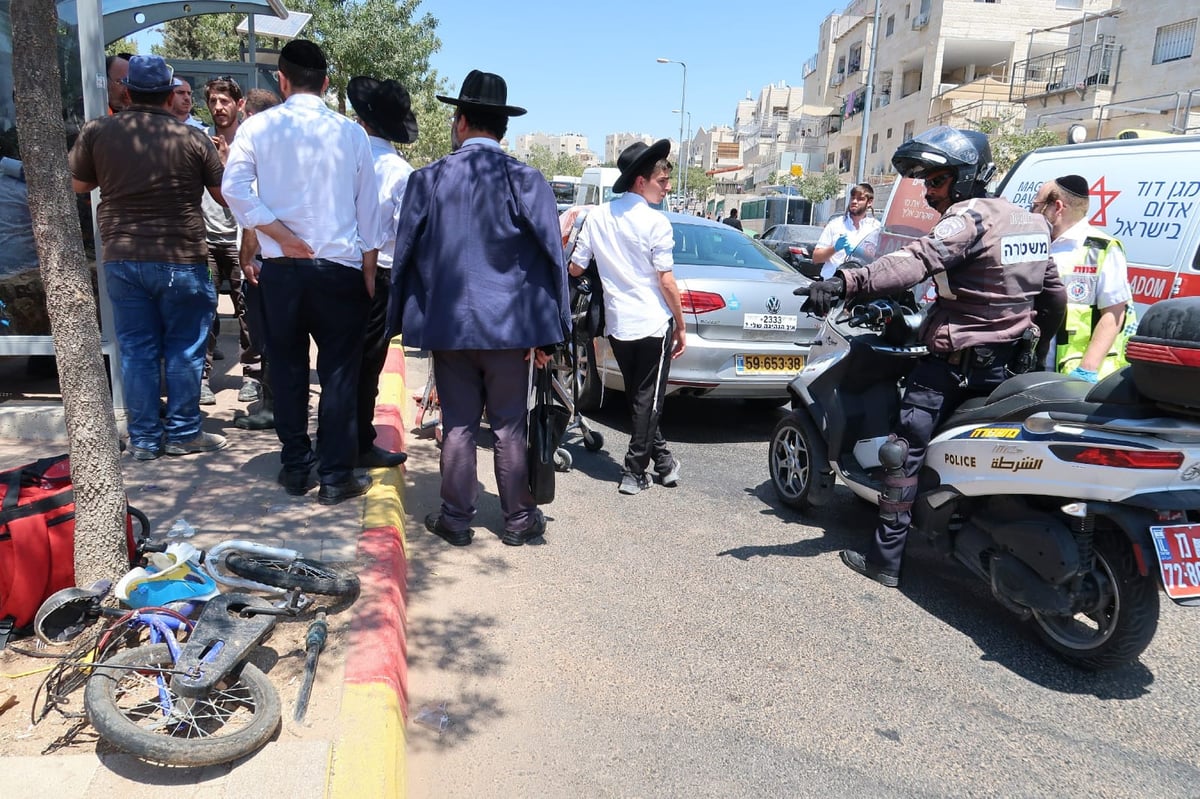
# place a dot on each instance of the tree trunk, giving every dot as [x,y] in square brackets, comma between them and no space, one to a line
[91,426]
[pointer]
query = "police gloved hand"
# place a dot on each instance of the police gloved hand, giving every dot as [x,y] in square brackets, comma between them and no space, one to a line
[823,294]
[1084,374]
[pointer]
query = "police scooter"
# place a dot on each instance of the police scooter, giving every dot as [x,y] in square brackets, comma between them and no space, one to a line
[1074,502]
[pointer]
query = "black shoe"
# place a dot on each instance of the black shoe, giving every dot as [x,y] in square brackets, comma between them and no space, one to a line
[297,482]
[858,562]
[262,420]
[536,528]
[379,458]
[351,487]
[455,538]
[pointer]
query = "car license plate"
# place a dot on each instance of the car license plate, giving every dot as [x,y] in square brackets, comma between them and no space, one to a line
[768,321]
[768,364]
[1178,547]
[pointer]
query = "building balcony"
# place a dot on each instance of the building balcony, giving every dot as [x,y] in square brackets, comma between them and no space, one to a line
[1072,69]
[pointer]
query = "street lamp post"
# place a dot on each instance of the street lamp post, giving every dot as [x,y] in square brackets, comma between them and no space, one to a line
[682,107]
[685,158]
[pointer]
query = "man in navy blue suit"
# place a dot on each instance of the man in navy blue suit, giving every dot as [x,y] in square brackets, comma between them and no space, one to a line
[478,280]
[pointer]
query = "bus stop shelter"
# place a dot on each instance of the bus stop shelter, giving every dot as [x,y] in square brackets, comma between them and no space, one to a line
[87,27]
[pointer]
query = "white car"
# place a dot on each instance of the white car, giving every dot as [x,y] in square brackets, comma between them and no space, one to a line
[746,335]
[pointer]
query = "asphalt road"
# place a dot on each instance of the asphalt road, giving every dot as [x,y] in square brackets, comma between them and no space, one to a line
[706,641]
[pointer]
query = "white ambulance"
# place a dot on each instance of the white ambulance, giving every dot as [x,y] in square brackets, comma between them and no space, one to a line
[1145,192]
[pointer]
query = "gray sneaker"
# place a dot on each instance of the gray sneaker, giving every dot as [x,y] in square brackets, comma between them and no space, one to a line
[250,391]
[633,485]
[207,397]
[203,442]
[670,478]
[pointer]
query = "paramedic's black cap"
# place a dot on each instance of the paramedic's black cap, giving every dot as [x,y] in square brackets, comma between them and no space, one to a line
[1073,184]
[304,54]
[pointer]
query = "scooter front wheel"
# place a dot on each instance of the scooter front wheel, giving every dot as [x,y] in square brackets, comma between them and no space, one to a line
[1119,624]
[791,460]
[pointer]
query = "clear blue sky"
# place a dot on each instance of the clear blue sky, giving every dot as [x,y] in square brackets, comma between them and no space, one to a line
[590,67]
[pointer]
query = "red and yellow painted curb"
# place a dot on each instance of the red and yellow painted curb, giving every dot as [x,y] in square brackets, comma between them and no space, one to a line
[367,758]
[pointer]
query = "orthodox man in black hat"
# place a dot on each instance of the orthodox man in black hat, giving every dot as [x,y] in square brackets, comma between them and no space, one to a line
[478,279]
[300,174]
[385,112]
[633,245]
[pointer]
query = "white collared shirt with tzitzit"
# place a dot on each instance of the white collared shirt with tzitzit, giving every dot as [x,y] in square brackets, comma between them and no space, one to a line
[844,226]
[631,243]
[391,171]
[309,167]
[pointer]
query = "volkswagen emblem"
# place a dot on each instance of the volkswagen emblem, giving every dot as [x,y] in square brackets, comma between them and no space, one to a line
[772,305]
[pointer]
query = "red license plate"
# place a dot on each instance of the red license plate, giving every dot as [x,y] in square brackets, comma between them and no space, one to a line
[1178,547]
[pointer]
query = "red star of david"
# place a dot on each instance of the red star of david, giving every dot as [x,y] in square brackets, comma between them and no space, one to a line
[1106,199]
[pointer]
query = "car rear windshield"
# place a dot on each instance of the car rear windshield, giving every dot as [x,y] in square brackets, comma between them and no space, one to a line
[800,233]
[711,245]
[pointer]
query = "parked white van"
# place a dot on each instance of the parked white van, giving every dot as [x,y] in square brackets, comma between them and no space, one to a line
[595,186]
[1145,192]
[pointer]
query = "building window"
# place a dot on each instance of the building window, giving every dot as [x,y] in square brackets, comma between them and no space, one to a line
[1174,42]
[891,25]
[986,1]
[908,129]
[855,58]
[907,10]
[874,142]
[1067,5]
[841,65]
[889,133]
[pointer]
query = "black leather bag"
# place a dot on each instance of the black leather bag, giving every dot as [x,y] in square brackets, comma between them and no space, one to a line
[547,424]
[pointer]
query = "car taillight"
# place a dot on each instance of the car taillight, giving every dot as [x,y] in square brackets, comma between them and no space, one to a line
[1119,458]
[701,301]
[798,251]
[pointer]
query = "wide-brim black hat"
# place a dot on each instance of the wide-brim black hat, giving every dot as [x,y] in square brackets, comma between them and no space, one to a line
[385,106]
[633,160]
[484,91]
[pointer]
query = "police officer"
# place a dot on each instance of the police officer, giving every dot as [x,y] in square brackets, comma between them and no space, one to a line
[990,263]
[1100,313]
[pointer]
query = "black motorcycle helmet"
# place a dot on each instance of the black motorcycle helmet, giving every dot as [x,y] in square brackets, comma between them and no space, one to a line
[965,151]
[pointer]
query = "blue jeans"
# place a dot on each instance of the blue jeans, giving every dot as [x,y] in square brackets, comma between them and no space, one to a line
[162,313]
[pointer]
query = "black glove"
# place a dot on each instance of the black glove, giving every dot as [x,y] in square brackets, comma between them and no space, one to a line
[823,294]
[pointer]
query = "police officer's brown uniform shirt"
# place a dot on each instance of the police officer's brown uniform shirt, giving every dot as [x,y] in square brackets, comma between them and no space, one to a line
[152,170]
[989,260]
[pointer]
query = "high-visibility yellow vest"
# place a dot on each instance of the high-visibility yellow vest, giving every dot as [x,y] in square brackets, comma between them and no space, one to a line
[1075,334]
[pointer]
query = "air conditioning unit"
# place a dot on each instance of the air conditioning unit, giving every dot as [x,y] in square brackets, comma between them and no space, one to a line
[920,21]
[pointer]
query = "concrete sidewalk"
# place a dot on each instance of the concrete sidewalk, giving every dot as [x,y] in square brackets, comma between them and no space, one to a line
[352,740]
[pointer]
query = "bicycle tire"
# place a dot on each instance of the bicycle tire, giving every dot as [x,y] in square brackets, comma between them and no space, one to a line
[123,705]
[308,575]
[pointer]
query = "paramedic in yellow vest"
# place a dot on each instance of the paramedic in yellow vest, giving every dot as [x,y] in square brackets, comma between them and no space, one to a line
[1100,314]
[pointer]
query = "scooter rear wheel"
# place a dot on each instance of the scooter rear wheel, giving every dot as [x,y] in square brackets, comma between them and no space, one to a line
[1120,624]
[791,461]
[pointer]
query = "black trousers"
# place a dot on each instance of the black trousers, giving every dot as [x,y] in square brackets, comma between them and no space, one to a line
[329,302]
[645,365]
[256,328]
[935,388]
[375,349]
[223,264]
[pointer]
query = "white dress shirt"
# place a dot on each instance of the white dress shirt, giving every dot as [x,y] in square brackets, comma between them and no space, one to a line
[844,226]
[631,243]
[391,172]
[309,167]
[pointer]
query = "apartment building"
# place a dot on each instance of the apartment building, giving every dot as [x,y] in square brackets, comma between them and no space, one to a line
[775,131]
[573,144]
[936,63]
[614,143]
[1133,66]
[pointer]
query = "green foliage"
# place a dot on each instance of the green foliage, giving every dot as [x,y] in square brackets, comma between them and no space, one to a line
[207,37]
[1010,141]
[550,163]
[698,181]
[122,46]
[820,186]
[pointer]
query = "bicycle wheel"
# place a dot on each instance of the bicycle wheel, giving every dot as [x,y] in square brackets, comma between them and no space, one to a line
[307,575]
[126,706]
